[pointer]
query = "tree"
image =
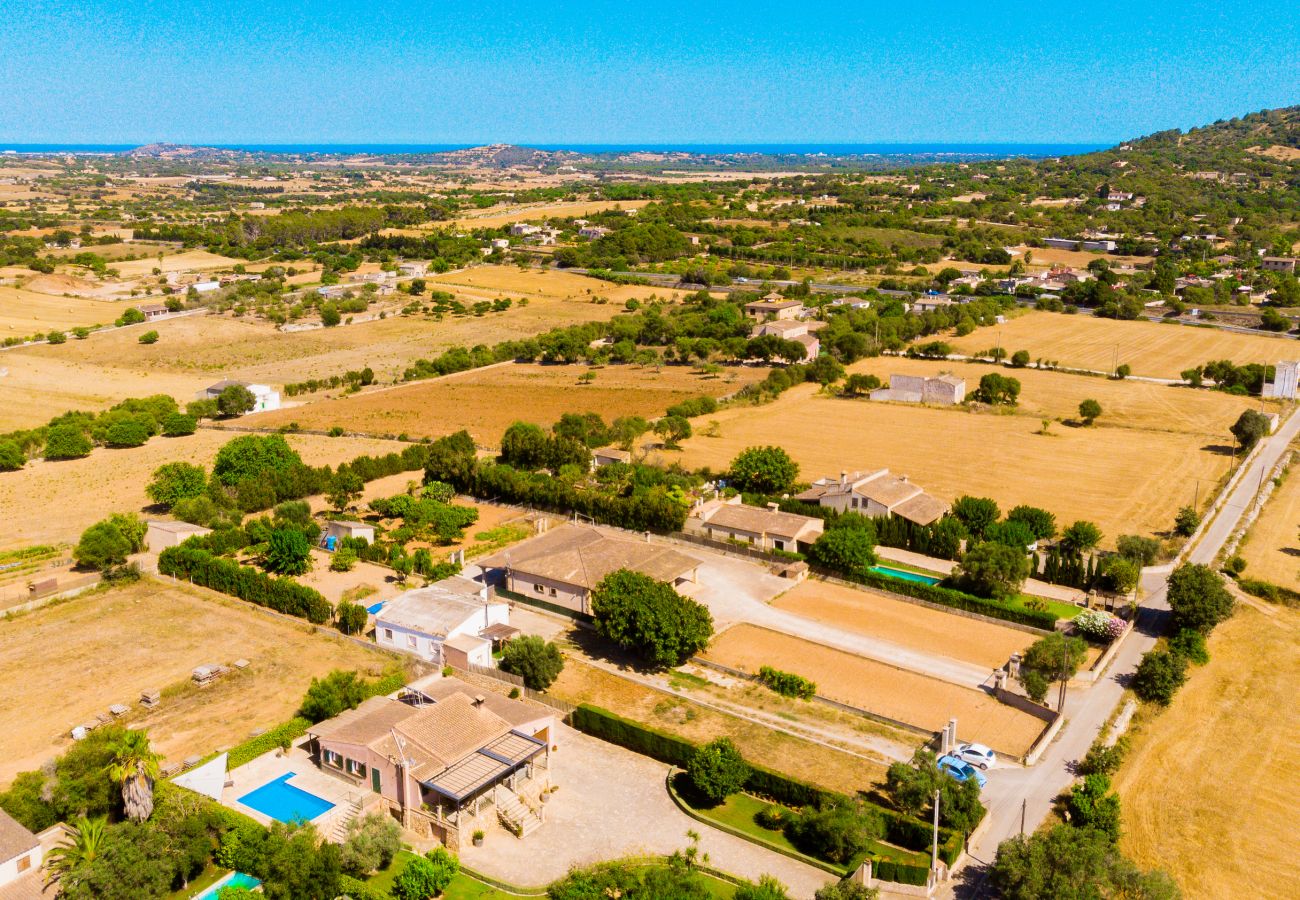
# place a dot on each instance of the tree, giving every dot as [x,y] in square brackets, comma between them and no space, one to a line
[202,409]
[650,618]
[352,617]
[297,865]
[179,424]
[524,446]
[1120,575]
[1081,537]
[344,489]
[858,384]
[79,847]
[1089,411]
[1186,521]
[371,844]
[66,442]
[102,546]
[1056,656]
[149,337]
[327,697]
[176,481]
[998,390]
[1159,676]
[127,433]
[846,890]
[992,570]
[235,400]
[1142,550]
[254,457]
[624,430]
[1019,359]
[717,770]
[134,767]
[1040,522]
[1091,804]
[56,337]
[837,832]
[767,888]
[1198,598]
[851,551]
[12,457]
[911,786]
[537,661]
[1068,863]
[427,876]
[330,315]
[976,513]
[1124,371]
[1249,428]
[287,552]
[673,430]
[588,428]
[763,470]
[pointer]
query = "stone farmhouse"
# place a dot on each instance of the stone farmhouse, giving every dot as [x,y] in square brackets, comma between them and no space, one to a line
[876,494]
[763,528]
[940,390]
[452,622]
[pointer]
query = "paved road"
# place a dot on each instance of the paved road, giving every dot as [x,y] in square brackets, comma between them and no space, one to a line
[1087,710]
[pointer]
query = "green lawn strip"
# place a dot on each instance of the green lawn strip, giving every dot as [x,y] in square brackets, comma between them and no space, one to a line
[1055,607]
[210,876]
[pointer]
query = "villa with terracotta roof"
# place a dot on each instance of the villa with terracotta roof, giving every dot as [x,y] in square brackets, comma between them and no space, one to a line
[876,494]
[763,528]
[774,306]
[441,754]
[564,565]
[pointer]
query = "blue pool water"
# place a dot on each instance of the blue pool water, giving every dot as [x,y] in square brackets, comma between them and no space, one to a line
[234,879]
[285,803]
[905,575]
[374,608]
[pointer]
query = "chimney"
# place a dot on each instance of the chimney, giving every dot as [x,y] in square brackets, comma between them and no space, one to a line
[844,477]
[903,478]
[478,700]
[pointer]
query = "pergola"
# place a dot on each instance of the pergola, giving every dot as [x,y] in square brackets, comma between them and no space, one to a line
[469,779]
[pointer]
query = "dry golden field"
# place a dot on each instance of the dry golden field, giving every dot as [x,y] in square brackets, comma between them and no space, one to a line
[186,261]
[580,682]
[496,216]
[49,502]
[26,312]
[1272,548]
[64,663]
[490,282]
[1209,787]
[879,688]
[906,624]
[1128,479]
[1150,348]
[486,401]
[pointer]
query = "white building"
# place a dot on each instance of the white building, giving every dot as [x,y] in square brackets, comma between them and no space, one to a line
[592,232]
[413,268]
[1286,381]
[203,287]
[20,853]
[264,398]
[161,535]
[451,622]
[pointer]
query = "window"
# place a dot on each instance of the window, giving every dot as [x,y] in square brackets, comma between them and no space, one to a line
[333,759]
[388,634]
[356,768]
[780,545]
[539,589]
[552,592]
[412,642]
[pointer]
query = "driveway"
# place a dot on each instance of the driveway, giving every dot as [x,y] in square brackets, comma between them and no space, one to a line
[613,803]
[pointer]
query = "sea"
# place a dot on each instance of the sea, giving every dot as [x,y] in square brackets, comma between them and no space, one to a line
[991,151]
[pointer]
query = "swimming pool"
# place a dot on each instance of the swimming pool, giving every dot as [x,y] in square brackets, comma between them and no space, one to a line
[233,879]
[374,608]
[283,802]
[904,575]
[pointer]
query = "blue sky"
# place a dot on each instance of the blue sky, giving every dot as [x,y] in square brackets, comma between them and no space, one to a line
[446,71]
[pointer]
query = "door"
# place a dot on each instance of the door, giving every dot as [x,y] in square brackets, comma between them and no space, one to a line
[376,782]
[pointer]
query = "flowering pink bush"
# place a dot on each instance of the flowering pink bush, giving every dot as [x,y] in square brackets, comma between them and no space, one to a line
[1100,626]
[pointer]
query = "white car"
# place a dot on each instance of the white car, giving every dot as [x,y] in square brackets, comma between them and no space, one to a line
[976,754]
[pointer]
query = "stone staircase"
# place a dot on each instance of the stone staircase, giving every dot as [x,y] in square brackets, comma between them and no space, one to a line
[514,815]
[349,810]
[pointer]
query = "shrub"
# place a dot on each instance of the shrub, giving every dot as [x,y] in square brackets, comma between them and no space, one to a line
[787,684]
[838,832]
[352,617]
[179,425]
[1190,644]
[371,844]
[1092,805]
[717,770]
[176,481]
[12,457]
[102,546]
[426,876]
[1104,760]
[1159,676]
[277,737]
[66,442]
[127,433]
[1186,521]
[149,337]
[1099,626]
[227,576]
[343,560]
[772,817]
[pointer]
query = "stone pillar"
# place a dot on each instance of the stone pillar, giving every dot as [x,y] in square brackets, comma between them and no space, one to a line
[952,733]
[1013,666]
[862,874]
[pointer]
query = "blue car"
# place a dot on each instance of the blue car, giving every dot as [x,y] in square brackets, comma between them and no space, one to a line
[962,771]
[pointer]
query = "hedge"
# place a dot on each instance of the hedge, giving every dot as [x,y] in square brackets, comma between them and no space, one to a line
[1267,591]
[948,597]
[902,873]
[787,684]
[357,889]
[229,577]
[906,832]
[252,748]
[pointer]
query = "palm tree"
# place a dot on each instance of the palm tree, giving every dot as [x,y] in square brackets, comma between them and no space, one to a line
[82,845]
[134,766]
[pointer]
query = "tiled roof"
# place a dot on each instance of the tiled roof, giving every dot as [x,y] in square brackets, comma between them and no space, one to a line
[583,556]
[15,840]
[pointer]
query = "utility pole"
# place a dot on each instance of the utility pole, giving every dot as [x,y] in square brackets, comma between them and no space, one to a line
[1024,803]
[934,852]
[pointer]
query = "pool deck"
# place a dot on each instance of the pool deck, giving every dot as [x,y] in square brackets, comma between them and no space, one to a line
[945,566]
[306,776]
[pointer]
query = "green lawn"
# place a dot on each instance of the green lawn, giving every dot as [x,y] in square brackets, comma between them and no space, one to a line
[210,876]
[1055,607]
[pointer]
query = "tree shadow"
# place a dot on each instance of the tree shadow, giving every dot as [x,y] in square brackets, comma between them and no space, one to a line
[1220,449]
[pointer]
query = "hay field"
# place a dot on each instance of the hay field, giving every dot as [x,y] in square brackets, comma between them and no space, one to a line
[903,623]
[1272,549]
[1046,257]
[62,664]
[1150,348]
[490,282]
[496,216]
[187,261]
[1209,786]
[876,687]
[25,312]
[49,502]
[486,401]
[1127,479]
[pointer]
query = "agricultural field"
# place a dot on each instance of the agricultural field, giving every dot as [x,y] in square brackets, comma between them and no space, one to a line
[1129,473]
[26,312]
[48,502]
[1205,788]
[581,682]
[496,216]
[491,282]
[1150,348]
[904,696]
[186,261]
[486,401]
[907,624]
[1272,547]
[64,663]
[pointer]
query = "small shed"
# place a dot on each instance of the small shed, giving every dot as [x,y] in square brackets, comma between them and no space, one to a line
[161,535]
[335,532]
[467,650]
